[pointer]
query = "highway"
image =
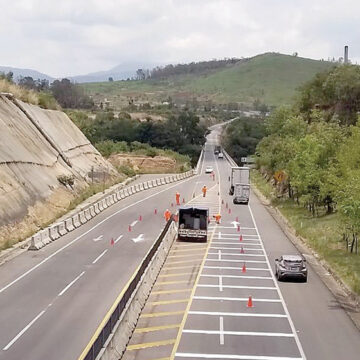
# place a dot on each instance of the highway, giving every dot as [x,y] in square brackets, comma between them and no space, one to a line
[53,300]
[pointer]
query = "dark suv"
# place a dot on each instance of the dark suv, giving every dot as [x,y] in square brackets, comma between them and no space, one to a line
[291,266]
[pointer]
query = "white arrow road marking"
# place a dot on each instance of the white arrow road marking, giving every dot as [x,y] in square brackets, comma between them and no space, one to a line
[98,238]
[134,223]
[235,223]
[139,238]
[118,239]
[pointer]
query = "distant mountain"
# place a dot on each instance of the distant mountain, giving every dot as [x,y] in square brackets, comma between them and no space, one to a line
[119,72]
[25,72]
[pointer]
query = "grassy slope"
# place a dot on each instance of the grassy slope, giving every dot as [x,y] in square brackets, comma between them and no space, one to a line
[322,234]
[273,78]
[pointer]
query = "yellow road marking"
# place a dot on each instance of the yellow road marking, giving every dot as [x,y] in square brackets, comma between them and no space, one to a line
[169,291]
[172,275]
[171,282]
[162,313]
[150,344]
[188,250]
[180,267]
[165,302]
[177,342]
[183,262]
[183,256]
[156,328]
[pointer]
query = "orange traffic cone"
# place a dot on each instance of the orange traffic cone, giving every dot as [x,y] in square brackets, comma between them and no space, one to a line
[155,211]
[238,228]
[129,227]
[237,219]
[242,250]
[243,270]
[112,242]
[140,218]
[240,239]
[250,303]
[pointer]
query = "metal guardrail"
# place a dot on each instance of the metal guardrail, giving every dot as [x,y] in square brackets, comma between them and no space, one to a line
[106,331]
[229,158]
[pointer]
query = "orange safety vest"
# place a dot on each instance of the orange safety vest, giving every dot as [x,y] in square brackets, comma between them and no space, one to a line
[204,189]
[217,218]
[167,215]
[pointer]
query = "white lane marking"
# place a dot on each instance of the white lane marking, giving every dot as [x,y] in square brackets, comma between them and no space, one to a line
[219,254]
[240,261]
[134,223]
[229,254]
[234,357]
[232,227]
[234,240]
[237,235]
[238,333]
[220,283]
[221,330]
[301,350]
[235,268]
[27,327]
[219,237]
[119,238]
[234,223]
[219,298]
[100,256]
[239,277]
[221,313]
[140,238]
[62,292]
[238,287]
[87,232]
[233,248]
[98,238]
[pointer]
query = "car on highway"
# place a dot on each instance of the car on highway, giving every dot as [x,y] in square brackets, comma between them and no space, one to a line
[291,266]
[209,170]
[220,156]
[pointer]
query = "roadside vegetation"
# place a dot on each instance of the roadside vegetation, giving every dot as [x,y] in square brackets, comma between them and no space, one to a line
[309,162]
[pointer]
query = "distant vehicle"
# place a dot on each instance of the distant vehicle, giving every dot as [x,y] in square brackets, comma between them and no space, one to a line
[193,223]
[240,185]
[291,266]
[209,170]
[217,149]
[221,156]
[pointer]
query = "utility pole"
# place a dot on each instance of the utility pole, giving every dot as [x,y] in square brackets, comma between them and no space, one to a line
[346,55]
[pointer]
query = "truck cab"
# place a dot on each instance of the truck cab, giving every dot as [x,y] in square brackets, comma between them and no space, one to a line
[193,223]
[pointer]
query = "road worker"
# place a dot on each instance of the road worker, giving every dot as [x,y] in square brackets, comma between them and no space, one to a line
[177,196]
[167,215]
[217,218]
[204,189]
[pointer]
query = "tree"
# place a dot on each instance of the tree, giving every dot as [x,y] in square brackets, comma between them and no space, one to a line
[111,79]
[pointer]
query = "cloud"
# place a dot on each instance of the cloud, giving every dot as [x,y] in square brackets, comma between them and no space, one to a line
[71,37]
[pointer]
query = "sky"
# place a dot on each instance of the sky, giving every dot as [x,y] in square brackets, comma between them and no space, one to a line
[73,37]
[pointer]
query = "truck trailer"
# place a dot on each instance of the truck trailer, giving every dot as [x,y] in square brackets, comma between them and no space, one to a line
[193,223]
[240,184]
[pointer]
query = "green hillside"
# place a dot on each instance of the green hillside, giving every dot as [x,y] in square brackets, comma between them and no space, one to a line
[271,78]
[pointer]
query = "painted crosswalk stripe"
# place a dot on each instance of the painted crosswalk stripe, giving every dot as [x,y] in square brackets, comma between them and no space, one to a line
[220,298]
[238,333]
[234,357]
[216,313]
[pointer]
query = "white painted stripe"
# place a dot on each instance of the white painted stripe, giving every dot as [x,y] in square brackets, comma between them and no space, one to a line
[118,239]
[238,276]
[62,292]
[234,228]
[238,287]
[234,357]
[238,333]
[233,248]
[301,350]
[220,284]
[219,298]
[88,231]
[100,256]
[235,268]
[229,254]
[220,313]
[27,327]
[220,332]
[134,223]
[237,234]
[219,254]
[235,240]
[239,261]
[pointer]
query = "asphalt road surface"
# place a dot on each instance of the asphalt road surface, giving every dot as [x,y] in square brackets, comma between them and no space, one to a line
[52,300]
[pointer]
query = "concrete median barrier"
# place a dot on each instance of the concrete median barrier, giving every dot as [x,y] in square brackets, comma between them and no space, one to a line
[82,217]
[142,187]
[146,185]
[126,192]
[163,181]
[133,189]
[109,201]
[101,205]
[104,204]
[45,236]
[69,224]
[76,220]
[54,233]
[167,180]
[96,208]
[137,188]
[114,197]
[87,214]
[150,184]
[36,242]
[92,211]
[61,228]
[154,182]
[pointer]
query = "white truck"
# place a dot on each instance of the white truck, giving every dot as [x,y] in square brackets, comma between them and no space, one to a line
[240,184]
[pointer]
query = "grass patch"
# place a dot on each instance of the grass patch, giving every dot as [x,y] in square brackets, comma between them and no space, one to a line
[322,233]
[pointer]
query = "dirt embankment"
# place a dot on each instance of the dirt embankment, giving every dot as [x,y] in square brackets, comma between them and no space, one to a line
[37,149]
[145,164]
